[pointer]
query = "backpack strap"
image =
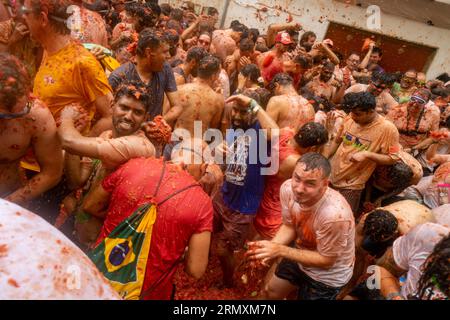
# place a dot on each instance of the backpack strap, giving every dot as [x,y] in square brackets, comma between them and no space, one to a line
[158,186]
[178,192]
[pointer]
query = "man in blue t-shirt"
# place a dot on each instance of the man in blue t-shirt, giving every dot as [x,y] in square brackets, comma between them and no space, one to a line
[247,149]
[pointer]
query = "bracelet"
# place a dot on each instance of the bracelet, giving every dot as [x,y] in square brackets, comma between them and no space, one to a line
[254,107]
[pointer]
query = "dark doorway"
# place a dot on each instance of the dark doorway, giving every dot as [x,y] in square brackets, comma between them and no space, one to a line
[398,55]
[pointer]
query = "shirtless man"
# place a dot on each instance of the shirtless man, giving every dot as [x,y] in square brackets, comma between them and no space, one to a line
[189,67]
[25,122]
[225,42]
[271,62]
[379,86]
[287,107]
[243,56]
[201,102]
[324,85]
[377,231]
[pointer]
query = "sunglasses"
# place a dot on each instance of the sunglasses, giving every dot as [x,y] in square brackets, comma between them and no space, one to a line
[418,100]
[9,116]
[26,11]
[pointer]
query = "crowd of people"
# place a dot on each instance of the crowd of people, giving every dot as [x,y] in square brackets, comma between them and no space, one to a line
[151,138]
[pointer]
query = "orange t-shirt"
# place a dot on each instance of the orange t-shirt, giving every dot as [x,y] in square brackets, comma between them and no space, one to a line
[71,76]
[380,136]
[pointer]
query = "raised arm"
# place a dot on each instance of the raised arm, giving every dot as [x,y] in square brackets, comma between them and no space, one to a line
[71,139]
[255,109]
[277,27]
[365,62]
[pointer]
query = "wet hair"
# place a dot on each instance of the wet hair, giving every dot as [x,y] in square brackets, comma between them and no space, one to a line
[154,6]
[444,77]
[377,50]
[148,39]
[240,28]
[363,101]
[304,61]
[145,13]
[436,271]
[172,38]
[380,225]
[318,103]
[212,11]
[165,9]
[234,23]
[15,81]
[329,65]
[190,5]
[306,36]
[253,34]
[383,77]
[208,66]
[57,13]
[246,44]
[136,90]
[252,94]
[313,160]
[440,92]
[311,134]
[252,72]
[196,53]
[205,27]
[283,79]
[176,14]
[261,48]
[400,175]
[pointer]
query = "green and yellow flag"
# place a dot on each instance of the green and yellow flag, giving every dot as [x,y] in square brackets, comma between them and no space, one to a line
[122,256]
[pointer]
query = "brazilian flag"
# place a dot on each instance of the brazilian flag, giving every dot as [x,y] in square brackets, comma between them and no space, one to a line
[122,256]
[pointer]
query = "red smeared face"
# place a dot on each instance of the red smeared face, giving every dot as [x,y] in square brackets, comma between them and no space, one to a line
[128,116]
[308,186]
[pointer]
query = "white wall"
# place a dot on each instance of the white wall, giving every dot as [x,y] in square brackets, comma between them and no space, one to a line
[315,15]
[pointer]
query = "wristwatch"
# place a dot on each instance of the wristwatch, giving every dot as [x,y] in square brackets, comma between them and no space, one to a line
[254,107]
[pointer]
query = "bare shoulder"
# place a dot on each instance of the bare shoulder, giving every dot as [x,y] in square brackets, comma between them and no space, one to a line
[40,114]
[278,100]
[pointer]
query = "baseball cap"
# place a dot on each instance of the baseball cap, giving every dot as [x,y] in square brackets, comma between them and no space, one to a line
[284,38]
